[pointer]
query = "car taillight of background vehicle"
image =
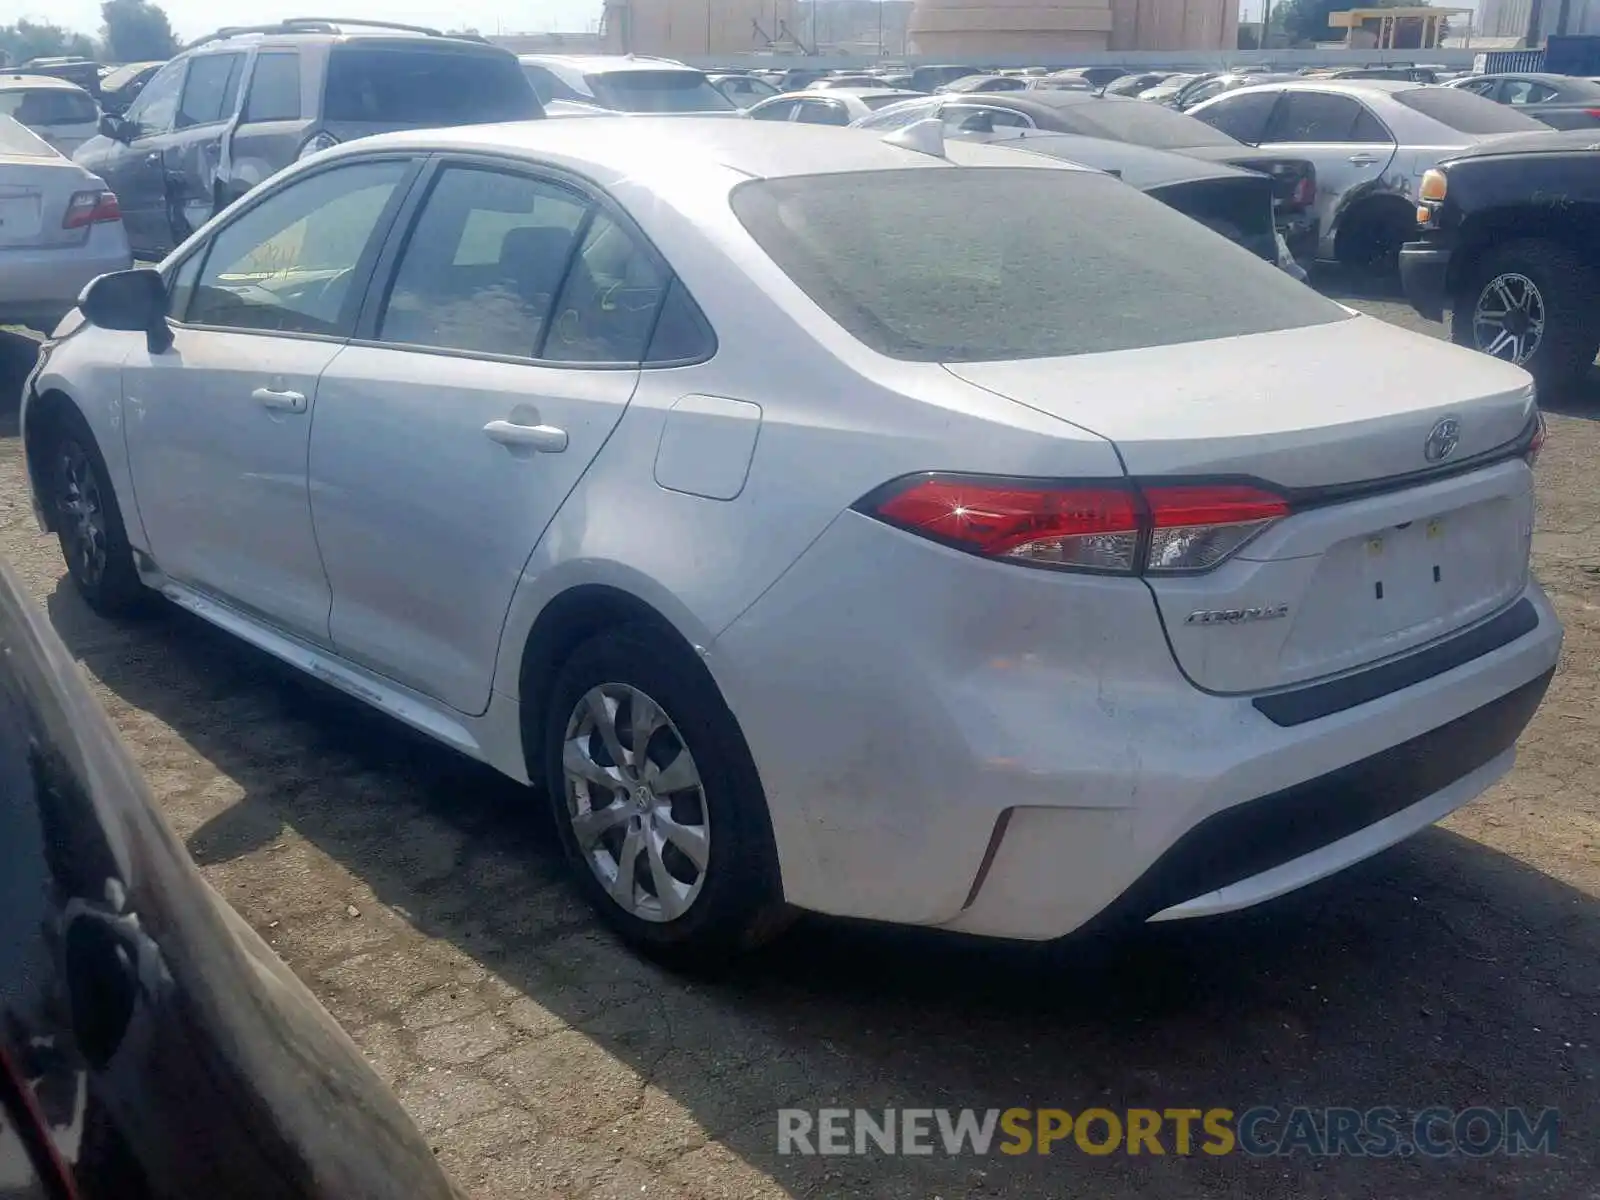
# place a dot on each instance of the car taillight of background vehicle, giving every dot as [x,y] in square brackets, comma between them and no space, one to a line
[317,142]
[1536,444]
[91,208]
[1305,191]
[1115,526]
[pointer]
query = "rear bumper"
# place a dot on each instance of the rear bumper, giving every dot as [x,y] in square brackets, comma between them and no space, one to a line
[1425,275]
[39,287]
[950,742]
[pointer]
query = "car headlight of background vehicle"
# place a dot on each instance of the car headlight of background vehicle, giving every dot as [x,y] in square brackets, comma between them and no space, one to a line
[315,143]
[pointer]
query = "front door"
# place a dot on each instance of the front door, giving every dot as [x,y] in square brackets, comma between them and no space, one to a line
[133,167]
[192,152]
[450,432]
[218,426]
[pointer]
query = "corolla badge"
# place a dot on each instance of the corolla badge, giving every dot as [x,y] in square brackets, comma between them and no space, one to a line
[1237,616]
[1442,440]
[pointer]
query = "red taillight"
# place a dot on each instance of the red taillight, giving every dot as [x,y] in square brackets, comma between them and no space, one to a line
[1117,526]
[1305,191]
[91,208]
[1091,528]
[1593,112]
[1536,443]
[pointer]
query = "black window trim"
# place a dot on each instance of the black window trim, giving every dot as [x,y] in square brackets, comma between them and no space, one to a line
[381,281]
[361,276]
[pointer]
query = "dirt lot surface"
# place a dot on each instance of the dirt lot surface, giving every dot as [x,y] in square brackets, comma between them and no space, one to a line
[421,897]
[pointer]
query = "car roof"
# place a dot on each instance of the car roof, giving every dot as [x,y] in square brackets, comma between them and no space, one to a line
[1344,87]
[20,82]
[330,32]
[645,149]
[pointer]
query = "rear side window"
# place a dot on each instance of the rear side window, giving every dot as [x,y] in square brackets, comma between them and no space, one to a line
[682,332]
[211,89]
[1243,116]
[1081,264]
[1466,113]
[607,308]
[1314,117]
[657,92]
[422,86]
[274,88]
[49,106]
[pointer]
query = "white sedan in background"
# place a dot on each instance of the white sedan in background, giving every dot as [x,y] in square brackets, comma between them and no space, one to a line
[60,226]
[813,542]
[60,112]
[827,106]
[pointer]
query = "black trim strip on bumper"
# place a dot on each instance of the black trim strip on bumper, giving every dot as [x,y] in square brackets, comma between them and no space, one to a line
[1258,835]
[1324,699]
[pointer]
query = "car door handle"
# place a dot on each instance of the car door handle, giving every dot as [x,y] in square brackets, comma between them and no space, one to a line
[283,401]
[545,438]
[1363,160]
[153,160]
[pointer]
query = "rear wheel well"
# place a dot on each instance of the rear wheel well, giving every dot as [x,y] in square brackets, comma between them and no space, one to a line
[1375,214]
[45,416]
[568,621]
[1493,229]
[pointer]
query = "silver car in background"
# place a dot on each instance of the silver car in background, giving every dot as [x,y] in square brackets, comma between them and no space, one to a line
[60,227]
[1371,140]
[60,112]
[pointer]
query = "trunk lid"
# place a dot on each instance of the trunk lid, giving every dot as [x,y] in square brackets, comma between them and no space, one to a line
[1371,563]
[1287,174]
[34,193]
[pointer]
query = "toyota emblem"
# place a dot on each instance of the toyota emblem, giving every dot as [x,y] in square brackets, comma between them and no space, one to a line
[1442,441]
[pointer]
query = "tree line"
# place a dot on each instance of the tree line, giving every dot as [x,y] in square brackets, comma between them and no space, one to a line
[133,31]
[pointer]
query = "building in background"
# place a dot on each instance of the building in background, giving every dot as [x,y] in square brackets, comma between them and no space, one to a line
[1044,29]
[1504,18]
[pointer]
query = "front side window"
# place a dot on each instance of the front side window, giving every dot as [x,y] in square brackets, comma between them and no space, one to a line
[1525,91]
[157,105]
[422,86]
[211,89]
[1082,264]
[274,88]
[288,262]
[484,263]
[1242,117]
[548,86]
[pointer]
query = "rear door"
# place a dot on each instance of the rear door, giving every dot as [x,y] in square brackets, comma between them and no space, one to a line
[1349,147]
[271,128]
[499,348]
[192,152]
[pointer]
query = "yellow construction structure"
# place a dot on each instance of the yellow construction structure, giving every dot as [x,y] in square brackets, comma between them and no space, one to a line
[1390,21]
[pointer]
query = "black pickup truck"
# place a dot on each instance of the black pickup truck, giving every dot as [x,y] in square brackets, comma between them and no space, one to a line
[1509,242]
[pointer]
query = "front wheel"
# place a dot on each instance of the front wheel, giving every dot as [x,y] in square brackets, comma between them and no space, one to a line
[1534,303]
[88,521]
[657,800]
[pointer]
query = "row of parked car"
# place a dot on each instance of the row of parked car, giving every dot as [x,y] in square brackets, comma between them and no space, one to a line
[1345,151]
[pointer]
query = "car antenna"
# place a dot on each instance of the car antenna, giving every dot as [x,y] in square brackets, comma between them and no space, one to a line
[925,137]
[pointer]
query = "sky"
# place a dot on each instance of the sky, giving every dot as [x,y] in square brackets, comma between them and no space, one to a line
[194,18]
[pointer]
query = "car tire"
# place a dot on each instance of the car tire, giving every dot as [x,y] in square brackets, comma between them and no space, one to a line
[1372,237]
[88,520]
[1557,294]
[696,915]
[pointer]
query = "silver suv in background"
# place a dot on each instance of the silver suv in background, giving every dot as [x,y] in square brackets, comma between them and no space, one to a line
[245,102]
[625,83]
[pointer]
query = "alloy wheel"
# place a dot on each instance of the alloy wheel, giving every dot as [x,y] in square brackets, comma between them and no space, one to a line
[636,802]
[81,504]
[1508,320]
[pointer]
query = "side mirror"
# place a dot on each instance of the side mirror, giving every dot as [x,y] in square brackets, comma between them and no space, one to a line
[114,127]
[135,301]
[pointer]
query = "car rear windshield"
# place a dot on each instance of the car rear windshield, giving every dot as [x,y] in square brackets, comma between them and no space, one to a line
[977,264]
[417,86]
[1142,123]
[1465,112]
[657,92]
[49,106]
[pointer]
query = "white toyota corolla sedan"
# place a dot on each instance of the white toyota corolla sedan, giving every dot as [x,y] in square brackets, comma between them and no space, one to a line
[935,534]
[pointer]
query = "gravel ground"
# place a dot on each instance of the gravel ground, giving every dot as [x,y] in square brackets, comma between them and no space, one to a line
[421,897]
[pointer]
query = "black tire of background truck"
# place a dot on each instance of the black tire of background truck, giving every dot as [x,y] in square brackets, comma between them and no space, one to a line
[1570,290]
